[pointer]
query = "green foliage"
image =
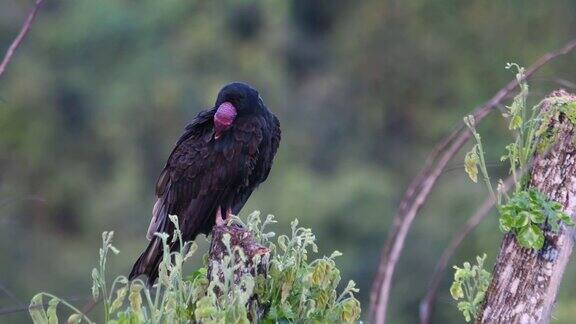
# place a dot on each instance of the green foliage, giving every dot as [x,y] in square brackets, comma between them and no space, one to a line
[526,211]
[475,157]
[569,110]
[470,285]
[298,290]
[294,290]
[471,161]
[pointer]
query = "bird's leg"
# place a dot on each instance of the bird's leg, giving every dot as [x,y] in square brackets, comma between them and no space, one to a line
[219,219]
[228,215]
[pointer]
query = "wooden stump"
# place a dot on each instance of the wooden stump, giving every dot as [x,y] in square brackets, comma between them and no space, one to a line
[256,256]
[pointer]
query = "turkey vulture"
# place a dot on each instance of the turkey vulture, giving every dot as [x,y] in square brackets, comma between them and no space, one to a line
[223,155]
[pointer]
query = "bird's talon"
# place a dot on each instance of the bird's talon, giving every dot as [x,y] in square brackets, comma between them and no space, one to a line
[219,219]
[229,216]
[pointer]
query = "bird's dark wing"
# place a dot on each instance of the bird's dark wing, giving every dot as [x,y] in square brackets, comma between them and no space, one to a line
[267,148]
[176,185]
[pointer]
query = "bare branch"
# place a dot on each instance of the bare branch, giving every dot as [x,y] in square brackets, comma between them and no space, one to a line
[25,308]
[427,304]
[11,295]
[21,35]
[421,186]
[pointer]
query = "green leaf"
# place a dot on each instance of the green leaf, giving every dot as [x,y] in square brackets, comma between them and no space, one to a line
[565,218]
[95,284]
[76,318]
[537,217]
[554,224]
[283,242]
[464,307]
[480,260]
[515,122]
[120,296]
[531,236]
[479,298]
[556,206]
[522,220]
[460,274]
[36,310]
[471,161]
[200,273]
[506,222]
[456,290]
[51,312]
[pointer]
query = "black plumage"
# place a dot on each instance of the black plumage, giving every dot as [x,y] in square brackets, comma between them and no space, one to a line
[223,155]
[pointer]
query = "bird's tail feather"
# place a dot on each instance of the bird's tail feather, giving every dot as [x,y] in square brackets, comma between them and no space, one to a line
[198,220]
[148,262]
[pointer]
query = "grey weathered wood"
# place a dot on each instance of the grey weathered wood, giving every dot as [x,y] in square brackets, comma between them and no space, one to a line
[239,238]
[525,282]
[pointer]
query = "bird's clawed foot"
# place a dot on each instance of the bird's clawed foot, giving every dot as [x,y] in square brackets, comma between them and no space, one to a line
[223,220]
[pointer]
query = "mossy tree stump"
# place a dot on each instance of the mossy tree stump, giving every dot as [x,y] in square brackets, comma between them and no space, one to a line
[525,282]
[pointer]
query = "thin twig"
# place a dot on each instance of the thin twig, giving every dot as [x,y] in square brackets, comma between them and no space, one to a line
[427,304]
[421,186]
[20,37]
[559,81]
[11,295]
[90,305]
[12,310]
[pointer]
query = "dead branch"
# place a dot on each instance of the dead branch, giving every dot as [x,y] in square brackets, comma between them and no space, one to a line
[525,282]
[20,37]
[418,191]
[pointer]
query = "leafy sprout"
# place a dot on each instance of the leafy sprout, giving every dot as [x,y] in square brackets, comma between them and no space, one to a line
[295,289]
[528,210]
[469,287]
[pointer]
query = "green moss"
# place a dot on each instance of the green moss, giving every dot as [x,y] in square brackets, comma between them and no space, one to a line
[546,134]
[547,138]
[569,110]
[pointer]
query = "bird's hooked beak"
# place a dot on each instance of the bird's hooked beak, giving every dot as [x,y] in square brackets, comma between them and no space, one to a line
[223,118]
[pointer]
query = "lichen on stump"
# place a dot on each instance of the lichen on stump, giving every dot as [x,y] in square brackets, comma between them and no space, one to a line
[243,239]
[525,282]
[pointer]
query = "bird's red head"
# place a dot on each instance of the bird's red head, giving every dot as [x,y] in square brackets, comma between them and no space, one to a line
[223,118]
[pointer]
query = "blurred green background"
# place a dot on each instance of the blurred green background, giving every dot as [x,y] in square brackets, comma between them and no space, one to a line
[101,90]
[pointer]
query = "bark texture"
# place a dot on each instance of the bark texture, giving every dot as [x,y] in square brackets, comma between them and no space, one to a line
[525,282]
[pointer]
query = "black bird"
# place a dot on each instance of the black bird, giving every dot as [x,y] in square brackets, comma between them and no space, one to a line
[223,155]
